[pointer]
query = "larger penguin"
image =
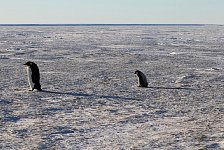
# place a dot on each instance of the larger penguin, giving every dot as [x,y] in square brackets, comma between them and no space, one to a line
[33,76]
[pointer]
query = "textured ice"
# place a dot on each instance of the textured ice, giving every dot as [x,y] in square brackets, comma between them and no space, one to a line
[90,98]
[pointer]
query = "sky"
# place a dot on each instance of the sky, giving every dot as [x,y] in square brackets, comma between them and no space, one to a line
[111,11]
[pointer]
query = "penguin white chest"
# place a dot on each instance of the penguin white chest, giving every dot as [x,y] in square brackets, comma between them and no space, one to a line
[29,72]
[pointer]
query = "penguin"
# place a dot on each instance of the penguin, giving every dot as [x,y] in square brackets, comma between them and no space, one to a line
[33,76]
[142,81]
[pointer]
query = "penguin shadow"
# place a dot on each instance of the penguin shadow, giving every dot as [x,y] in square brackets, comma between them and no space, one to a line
[66,93]
[171,88]
[90,95]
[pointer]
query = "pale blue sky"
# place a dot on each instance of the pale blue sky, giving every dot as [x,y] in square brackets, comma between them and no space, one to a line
[112,11]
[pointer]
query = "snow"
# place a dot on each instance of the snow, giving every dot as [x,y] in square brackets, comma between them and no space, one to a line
[90,98]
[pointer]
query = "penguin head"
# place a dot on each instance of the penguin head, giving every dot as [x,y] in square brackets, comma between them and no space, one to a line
[29,64]
[137,72]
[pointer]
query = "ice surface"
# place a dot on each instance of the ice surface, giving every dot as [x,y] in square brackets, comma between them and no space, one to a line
[90,98]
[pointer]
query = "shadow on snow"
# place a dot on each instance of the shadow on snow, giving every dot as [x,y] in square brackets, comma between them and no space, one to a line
[172,88]
[90,95]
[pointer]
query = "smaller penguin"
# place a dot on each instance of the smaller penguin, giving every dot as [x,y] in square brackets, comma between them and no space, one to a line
[33,76]
[142,81]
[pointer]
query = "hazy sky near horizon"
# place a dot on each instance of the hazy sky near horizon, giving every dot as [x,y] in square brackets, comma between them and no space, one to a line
[112,11]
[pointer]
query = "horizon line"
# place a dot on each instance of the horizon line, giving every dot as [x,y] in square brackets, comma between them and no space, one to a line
[106,24]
